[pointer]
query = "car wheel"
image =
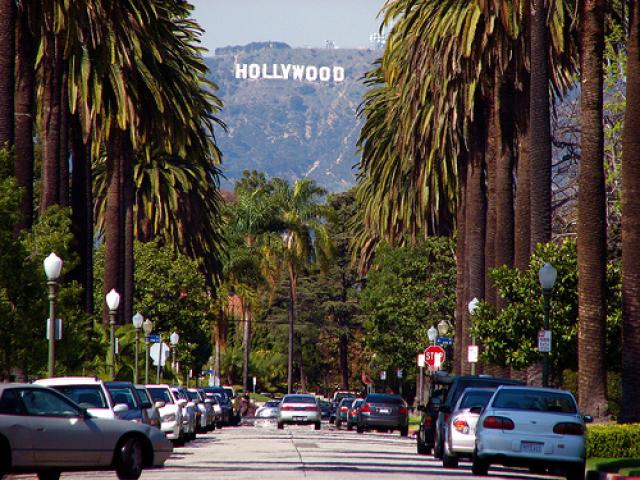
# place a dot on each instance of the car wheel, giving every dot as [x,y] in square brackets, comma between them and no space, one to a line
[49,475]
[437,448]
[479,467]
[338,424]
[318,426]
[332,420]
[5,457]
[280,426]
[404,431]
[360,429]
[423,449]
[129,459]
[349,426]
[575,472]
[449,461]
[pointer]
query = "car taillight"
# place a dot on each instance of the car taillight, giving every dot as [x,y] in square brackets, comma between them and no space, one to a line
[428,421]
[366,408]
[354,412]
[500,423]
[310,409]
[344,409]
[285,407]
[568,428]
[461,425]
[402,411]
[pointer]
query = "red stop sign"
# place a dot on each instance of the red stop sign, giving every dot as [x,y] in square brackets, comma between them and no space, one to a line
[434,356]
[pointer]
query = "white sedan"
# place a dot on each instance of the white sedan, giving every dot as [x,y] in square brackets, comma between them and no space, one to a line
[539,428]
[45,432]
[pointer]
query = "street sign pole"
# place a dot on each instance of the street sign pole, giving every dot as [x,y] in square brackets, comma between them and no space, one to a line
[421,381]
[160,352]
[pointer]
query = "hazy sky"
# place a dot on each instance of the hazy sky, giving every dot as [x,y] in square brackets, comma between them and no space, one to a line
[297,22]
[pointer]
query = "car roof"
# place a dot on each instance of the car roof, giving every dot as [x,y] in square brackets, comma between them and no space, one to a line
[119,383]
[157,385]
[531,388]
[59,381]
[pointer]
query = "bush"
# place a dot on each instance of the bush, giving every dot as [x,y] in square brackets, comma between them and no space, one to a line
[613,441]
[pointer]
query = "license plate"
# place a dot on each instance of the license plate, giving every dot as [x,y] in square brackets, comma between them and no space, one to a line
[385,410]
[532,447]
[299,419]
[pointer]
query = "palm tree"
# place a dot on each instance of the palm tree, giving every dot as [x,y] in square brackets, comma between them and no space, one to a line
[7,69]
[592,222]
[630,407]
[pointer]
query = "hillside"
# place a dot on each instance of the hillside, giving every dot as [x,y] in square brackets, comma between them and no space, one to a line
[289,127]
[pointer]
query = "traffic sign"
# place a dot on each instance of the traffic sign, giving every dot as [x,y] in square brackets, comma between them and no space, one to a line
[544,341]
[383,375]
[208,372]
[434,356]
[159,350]
[153,338]
[444,341]
[421,360]
[472,353]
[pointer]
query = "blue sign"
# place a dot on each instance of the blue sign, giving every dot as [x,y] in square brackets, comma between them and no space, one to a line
[153,338]
[208,372]
[444,341]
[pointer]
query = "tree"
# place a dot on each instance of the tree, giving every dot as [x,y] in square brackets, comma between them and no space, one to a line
[7,69]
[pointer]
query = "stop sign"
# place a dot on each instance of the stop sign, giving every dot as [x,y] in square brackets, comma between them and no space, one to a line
[434,356]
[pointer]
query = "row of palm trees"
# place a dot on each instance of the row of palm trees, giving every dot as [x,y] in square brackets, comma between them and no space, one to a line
[106,106]
[457,138]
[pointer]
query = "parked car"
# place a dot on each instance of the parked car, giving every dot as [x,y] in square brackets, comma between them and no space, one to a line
[539,428]
[268,410]
[352,414]
[338,395]
[153,414]
[43,431]
[342,411]
[235,404]
[460,429]
[217,408]
[299,409]
[439,383]
[456,386]
[225,403]
[88,392]
[325,409]
[126,393]
[205,410]
[383,412]
[189,412]
[170,412]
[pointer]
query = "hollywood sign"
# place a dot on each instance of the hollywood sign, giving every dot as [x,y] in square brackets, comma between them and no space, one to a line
[283,71]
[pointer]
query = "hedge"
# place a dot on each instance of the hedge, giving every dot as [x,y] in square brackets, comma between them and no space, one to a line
[613,441]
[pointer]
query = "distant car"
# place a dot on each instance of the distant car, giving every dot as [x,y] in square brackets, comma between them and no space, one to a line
[299,409]
[225,403]
[383,412]
[152,412]
[88,392]
[205,410]
[268,410]
[342,411]
[170,412]
[235,404]
[325,409]
[43,431]
[460,430]
[539,428]
[352,414]
[189,412]
[126,393]
[338,395]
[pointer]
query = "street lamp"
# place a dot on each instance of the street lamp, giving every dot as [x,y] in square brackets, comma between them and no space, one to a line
[137,324]
[473,304]
[52,268]
[443,328]
[113,300]
[547,276]
[147,327]
[432,333]
[173,338]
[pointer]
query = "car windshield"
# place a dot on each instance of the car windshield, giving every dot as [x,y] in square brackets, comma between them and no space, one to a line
[142,393]
[89,396]
[194,396]
[477,398]
[340,395]
[534,400]
[272,404]
[390,399]
[229,392]
[160,395]
[122,395]
[299,399]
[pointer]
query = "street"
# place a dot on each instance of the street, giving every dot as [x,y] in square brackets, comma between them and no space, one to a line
[263,452]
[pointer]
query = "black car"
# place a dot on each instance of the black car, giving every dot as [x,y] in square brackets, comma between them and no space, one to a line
[325,410]
[126,393]
[337,397]
[384,413]
[453,386]
[224,401]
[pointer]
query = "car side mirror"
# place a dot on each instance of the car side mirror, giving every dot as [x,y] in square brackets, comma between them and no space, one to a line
[181,403]
[421,408]
[476,409]
[146,405]
[587,418]
[160,404]
[120,408]
[444,409]
[208,400]
[84,413]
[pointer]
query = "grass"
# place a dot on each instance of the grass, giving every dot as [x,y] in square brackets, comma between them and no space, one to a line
[256,397]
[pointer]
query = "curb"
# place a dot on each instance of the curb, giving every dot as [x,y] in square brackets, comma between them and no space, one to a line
[595,475]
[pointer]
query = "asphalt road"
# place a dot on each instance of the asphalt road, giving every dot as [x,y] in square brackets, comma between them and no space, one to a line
[298,452]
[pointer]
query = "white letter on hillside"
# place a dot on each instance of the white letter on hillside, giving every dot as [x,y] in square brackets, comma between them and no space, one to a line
[312,74]
[325,74]
[285,70]
[241,70]
[338,74]
[254,71]
[298,72]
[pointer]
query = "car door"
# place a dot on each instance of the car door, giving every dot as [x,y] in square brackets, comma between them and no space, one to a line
[61,435]
[12,425]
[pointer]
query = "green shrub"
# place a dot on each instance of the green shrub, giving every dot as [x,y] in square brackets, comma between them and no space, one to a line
[613,441]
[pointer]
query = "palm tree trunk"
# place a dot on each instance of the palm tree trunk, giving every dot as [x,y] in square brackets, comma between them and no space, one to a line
[51,127]
[291,313]
[461,277]
[25,111]
[343,348]
[630,406]
[112,222]
[7,70]
[64,143]
[540,128]
[494,139]
[246,346]
[128,195]
[592,223]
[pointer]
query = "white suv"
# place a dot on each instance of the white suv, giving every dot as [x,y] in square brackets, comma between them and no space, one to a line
[170,412]
[88,392]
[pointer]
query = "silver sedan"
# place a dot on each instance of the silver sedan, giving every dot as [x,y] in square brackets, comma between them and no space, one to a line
[299,409]
[45,432]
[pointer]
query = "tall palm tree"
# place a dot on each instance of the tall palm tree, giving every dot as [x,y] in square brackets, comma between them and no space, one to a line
[592,221]
[7,69]
[630,407]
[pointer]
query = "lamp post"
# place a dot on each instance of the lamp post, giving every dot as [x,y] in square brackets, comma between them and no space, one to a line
[52,268]
[174,338]
[113,300]
[137,324]
[432,333]
[473,304]
[547,276]
[147,327]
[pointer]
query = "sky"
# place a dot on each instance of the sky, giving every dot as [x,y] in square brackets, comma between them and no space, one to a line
[300,23]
